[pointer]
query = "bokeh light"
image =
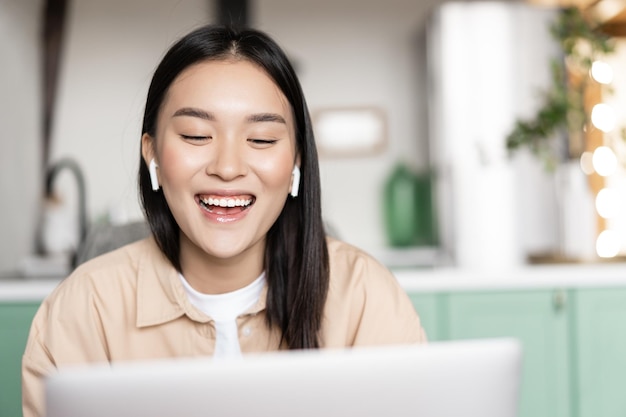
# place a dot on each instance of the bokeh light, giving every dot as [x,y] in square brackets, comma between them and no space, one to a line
[586,162]
[604,161]
[603,117]
[607,244]
[602,72]
[607,203]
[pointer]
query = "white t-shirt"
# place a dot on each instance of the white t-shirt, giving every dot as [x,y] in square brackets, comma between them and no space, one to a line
[224,310]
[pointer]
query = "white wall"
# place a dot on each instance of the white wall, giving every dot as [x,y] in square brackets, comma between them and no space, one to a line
[489,62]
[355,53]
[349,52]
[20,130]
[111,49]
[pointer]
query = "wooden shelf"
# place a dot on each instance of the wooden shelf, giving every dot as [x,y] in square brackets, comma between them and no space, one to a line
[610,13]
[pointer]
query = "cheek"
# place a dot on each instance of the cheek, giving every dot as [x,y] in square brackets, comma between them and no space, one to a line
[177,162]
[276,172]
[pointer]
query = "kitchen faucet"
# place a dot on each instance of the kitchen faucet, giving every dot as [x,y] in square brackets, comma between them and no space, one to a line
[51,174]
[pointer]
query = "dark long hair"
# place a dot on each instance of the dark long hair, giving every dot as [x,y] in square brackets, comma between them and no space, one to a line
[296,255]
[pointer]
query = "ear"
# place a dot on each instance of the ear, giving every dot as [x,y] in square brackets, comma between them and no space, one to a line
[147,148]
[148,154]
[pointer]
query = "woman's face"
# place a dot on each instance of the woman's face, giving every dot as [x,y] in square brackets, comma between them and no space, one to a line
[225,149]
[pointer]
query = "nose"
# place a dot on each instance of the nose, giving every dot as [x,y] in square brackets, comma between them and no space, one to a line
[227,160]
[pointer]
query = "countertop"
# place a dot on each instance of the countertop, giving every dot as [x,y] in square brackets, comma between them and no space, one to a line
[440,279]
[21,289]
[596,275]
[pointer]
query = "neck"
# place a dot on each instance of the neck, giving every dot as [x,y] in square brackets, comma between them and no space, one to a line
[209,274]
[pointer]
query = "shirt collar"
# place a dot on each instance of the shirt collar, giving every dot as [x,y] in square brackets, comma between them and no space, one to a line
[161,296]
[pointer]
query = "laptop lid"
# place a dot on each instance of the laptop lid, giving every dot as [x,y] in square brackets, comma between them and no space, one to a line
[478,378]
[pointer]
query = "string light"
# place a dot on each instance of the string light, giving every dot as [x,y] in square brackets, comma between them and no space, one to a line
[607,244]
[607,203]
[603,117]
[604,161]
[602,72]
[586,163]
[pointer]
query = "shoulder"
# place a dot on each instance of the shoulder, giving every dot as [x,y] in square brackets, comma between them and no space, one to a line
[350,265]
[119,263]
[345,257]
[365,301]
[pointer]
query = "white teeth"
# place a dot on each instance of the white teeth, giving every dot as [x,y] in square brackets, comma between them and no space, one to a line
[227,202]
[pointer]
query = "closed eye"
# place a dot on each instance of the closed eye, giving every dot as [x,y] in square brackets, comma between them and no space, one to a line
[262,142]
[195,138]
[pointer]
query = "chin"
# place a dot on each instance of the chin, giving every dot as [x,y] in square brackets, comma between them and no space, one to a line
[226,251]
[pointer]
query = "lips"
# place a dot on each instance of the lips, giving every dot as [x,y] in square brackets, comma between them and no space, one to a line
[225,205]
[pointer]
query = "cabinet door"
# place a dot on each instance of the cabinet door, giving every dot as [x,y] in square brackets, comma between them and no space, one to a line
[539,320]
[15,319]
[427,306]
[599,345]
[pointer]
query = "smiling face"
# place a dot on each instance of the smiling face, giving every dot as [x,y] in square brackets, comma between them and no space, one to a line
[225,149]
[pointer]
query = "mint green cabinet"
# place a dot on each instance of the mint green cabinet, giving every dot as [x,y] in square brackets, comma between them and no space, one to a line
[599,389]
[15,319]
[539,320]
[574,342]
[428,307]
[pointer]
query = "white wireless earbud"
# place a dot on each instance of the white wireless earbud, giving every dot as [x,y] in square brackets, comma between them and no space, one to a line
[152,166]
[295,186]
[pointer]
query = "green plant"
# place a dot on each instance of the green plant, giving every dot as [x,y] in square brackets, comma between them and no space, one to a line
[563,110]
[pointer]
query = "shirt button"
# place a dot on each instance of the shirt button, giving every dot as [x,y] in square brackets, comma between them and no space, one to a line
[247,331]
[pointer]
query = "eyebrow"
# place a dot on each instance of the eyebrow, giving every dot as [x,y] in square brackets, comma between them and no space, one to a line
[253,118]
[266,117]
[194,112]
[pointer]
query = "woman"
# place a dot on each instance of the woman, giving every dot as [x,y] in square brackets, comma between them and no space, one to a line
[238,260]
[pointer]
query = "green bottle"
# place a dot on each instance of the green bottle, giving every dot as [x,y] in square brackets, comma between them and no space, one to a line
[408,210]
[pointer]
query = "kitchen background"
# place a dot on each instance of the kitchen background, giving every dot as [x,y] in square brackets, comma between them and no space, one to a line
[448,79]
[349,54]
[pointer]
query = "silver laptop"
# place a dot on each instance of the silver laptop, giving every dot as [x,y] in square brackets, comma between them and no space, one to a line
[474,378]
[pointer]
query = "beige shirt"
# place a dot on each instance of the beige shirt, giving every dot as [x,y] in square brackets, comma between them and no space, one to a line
[129,304]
